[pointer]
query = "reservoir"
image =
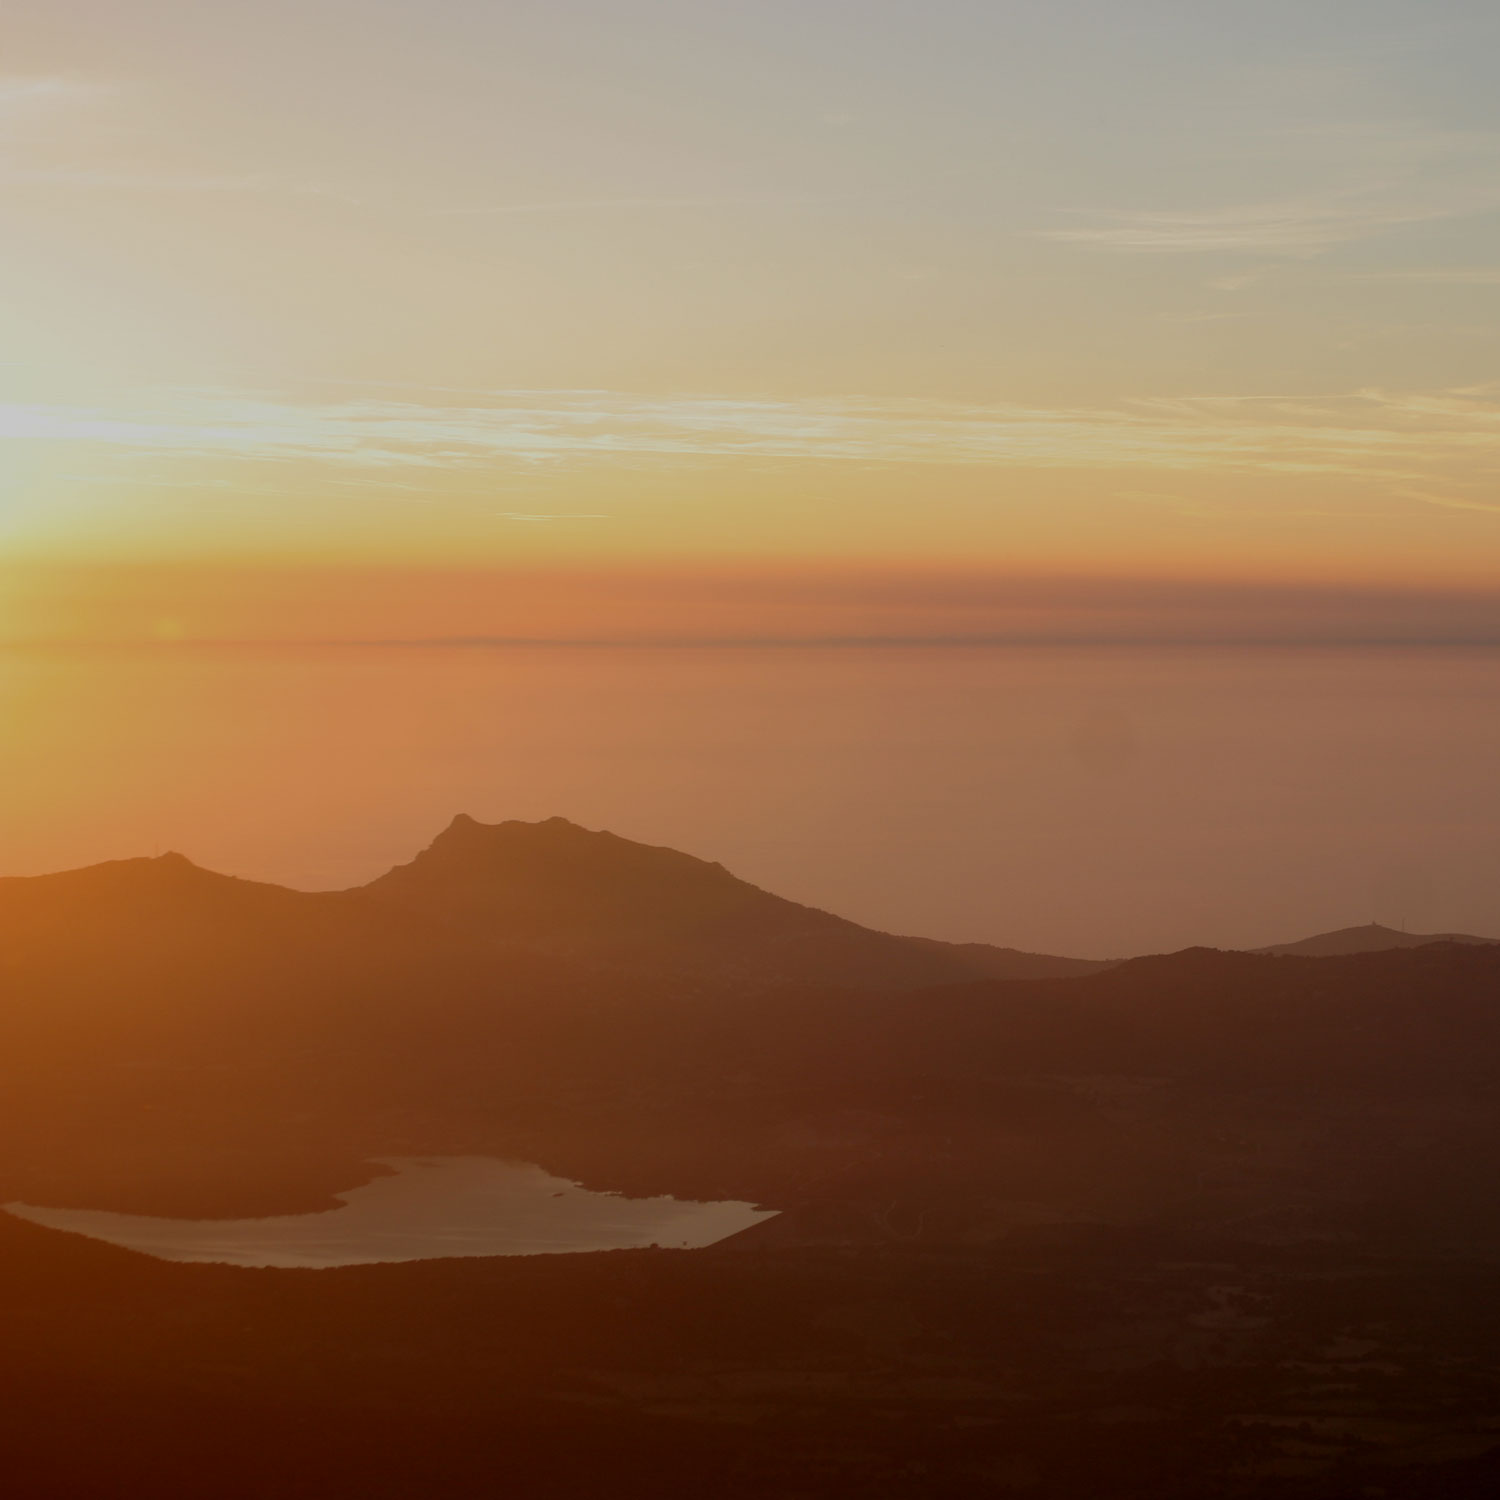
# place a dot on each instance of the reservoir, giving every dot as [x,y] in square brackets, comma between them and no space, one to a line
[424,1208]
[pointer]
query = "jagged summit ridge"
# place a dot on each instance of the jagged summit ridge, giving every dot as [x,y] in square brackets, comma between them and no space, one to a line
[552,851]
[557,886]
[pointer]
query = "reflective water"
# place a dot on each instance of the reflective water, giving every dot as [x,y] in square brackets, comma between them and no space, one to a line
[428,1208]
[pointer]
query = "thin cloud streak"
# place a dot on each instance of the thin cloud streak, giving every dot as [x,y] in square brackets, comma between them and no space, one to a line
[561,515]
[1381,175]
[1301,227]
[151,181]
[708,606]
[21,95]
[26,101]
[1434,276]
[1411,439]
[586,205]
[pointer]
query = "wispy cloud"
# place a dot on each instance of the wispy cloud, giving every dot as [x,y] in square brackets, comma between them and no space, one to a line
[1376,175]
[84,158]
[1237,282]
[555,515]
[1434,276]
[148,180]
[1451,502]
[591,205]
[738,603]
[1434,442]
[20,96]
[1298,226]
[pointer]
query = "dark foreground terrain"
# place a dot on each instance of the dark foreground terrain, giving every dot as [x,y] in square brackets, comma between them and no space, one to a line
[1200,1225]
[1062,1366]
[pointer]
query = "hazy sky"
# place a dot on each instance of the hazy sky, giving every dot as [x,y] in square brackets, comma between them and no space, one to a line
[1144,290]
[747,321]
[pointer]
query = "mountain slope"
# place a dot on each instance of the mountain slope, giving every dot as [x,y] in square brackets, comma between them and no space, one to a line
[557,888]
[488,894]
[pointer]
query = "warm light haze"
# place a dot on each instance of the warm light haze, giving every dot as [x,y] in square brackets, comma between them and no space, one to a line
[1146,291]
[748,749]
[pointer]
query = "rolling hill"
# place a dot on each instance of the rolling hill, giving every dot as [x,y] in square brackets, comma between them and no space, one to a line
[1371,938]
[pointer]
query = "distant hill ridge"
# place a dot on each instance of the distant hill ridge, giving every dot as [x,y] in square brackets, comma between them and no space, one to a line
[558,889]
[1371,938]
[550,887]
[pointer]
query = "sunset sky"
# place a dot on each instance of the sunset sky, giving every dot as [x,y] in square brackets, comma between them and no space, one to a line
[335,329]
[676,316]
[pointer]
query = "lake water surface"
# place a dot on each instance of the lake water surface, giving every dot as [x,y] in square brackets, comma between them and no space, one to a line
[428,1208]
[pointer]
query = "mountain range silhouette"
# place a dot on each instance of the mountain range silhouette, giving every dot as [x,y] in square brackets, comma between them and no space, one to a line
[174,1039]
[553,887]
[544,888]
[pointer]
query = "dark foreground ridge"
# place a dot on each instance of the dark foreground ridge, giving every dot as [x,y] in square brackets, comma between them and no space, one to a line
[1199,1224]
[1049,1368]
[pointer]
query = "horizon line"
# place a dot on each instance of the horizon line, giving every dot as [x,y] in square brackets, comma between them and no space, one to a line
[714,643]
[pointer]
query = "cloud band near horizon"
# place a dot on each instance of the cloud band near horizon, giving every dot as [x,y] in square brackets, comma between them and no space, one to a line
[1408,437]
[713,605]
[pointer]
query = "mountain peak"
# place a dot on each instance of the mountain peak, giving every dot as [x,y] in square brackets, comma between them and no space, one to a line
[464,825]
[593,895]
[554,860]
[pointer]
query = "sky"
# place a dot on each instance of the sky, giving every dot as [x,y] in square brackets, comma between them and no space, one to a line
[438,334]
[374,319]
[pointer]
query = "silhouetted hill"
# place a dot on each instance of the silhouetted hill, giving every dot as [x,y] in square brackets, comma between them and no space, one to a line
[1371,938]
[168,883]
[167,899]
[495,892]
[989,962]
[592,896]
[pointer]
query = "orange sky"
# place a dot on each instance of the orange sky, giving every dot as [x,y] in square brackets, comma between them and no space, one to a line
[329,325]
[670,290]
